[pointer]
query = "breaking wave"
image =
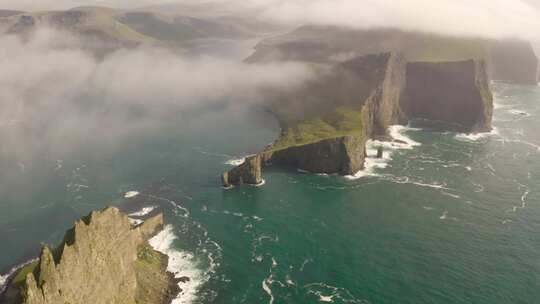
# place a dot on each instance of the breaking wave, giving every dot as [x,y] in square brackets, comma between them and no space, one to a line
[400,142]
[181,264]
[476,136]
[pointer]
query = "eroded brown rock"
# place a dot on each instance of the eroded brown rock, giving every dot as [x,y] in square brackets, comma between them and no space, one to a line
[100,262]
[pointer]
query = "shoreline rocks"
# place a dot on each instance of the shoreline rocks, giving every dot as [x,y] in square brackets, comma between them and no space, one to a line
[249,172]
[103,259]
[390,90]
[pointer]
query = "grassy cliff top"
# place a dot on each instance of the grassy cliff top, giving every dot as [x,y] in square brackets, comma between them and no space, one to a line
[330,44]
[342,122]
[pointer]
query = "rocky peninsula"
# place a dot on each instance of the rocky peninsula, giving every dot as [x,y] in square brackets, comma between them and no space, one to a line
[509,60]
[326,124]
[102,259]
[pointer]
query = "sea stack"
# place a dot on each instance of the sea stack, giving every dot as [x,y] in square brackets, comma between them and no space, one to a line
[326,124]
[380,152]
[249,172]
[103,259]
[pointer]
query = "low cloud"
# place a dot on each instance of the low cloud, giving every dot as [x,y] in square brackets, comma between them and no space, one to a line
[488,18]
[56,99]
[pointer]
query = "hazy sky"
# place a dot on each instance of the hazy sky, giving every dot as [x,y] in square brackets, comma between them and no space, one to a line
[55,99]
[493,18]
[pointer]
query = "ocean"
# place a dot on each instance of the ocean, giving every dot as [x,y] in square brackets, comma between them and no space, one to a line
[444,218]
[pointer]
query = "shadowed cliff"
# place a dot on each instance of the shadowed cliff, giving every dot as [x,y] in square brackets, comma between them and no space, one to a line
[325,124]
[509,60]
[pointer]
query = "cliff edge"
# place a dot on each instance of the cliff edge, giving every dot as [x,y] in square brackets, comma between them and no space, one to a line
[454,93]
[326,124]
[103,259]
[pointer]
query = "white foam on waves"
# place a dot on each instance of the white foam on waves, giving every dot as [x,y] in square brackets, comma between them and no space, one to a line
[401,142]
[181,264]
[398,133]
[144,211]
[235,162]
[131,194]
[476,136]
[5,277]
[519,112]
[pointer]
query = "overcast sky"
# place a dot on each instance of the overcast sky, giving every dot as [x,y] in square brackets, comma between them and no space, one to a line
[492,18]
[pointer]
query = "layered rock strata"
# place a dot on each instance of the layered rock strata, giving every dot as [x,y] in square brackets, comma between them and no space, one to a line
[388,91]
[509,60]
[455,93]
[102,260]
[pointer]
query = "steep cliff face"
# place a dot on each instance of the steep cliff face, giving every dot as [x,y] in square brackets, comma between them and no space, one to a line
[514,61]
[456,93]
[326,125]
[249,172]
[341,155]
[509,60]
[103,259]
[383,106]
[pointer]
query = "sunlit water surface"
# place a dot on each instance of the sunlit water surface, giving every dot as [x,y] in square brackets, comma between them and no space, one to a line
[445,219]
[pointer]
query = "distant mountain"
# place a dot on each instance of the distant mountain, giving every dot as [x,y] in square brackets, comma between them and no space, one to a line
[330,44]
[178,29]
[96,22]
[111,28]
[7,13]
[337,44]
[514,61]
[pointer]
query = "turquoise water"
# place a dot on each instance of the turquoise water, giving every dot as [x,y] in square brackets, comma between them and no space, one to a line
[453,220]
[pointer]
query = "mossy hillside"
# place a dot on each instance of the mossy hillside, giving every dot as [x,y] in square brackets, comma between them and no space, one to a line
[150,268]
[19,279]
[330,43]
[342,122]
[148,256]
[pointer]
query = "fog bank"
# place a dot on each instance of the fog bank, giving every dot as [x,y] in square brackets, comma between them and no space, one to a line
[488,18]
[55,100]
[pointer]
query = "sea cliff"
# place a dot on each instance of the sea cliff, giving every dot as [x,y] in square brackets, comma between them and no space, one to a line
[455,93]
[509,60]
[326,124]
[102,259]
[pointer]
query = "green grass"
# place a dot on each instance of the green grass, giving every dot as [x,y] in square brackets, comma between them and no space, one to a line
[343,121]
[20,278]
[150,256]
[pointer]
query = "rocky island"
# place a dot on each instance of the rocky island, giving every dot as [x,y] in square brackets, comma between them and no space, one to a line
[102,259]
[326,124]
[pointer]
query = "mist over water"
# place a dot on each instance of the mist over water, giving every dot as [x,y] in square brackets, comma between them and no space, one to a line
[441,218]
[423,228]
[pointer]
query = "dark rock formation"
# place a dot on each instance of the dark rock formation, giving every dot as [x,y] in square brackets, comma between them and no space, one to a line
[247,173]
[102,259]
[380,152]
[508,60]
[341,155]
[456,93]
[9,13]
[514,61]
[383,106]
[388,90]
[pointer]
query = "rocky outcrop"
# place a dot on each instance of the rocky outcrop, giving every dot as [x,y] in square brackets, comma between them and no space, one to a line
[455,93]
[383,106]
[249,172]
[508,60]
[341,155]
[388,90]
[513,61]
[103,259]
